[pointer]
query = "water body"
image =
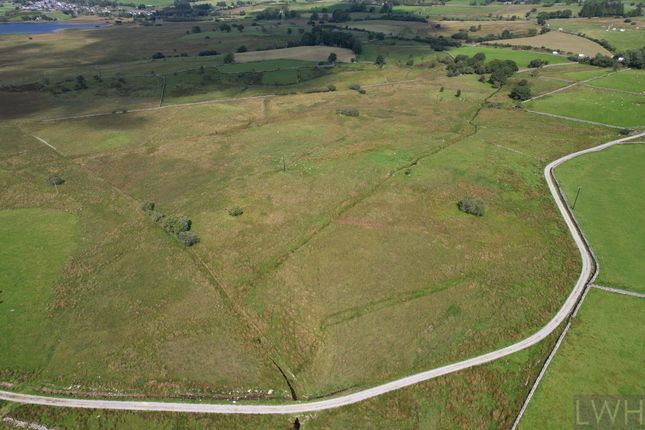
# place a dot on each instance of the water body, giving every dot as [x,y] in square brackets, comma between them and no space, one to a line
[40,27]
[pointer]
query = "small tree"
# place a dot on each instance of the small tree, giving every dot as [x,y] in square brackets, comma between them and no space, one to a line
[458,93]
[380,61]
[229,58]
[332,58]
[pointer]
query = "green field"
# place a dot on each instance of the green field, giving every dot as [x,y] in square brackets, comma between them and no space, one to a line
[521,57]
[618,109]
[601,355]
[628,80]
[632,38]
[608,208]
[34,247]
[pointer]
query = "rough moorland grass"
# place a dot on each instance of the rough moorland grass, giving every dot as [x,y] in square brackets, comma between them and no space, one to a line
[629,80]
[609,209]
[558,40]
[294,261]
[34,246]
[601,355]
[132,310]
[521,57]
[619,109]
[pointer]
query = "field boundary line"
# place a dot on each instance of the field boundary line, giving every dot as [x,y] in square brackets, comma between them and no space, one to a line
[619,291]
[587,274]
[576,83]
[584,121]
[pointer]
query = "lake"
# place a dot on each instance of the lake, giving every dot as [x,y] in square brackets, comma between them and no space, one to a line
[40,27]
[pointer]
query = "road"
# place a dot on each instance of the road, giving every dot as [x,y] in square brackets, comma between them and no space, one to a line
[335,402]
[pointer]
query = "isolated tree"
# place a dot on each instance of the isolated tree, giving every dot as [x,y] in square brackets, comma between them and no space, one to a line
[229,58]
[332,58]
[458,93]
[380,61]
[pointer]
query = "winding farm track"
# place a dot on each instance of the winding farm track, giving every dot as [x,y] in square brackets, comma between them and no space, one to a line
[587,272]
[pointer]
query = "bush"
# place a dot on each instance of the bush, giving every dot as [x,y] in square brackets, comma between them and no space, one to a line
[472,205]
[176,224]
[158,56]
[537,63]
[56,180]
[355,87]
[348,112]
[331,87]
[156,216]
[148,206]
[242,48]
[207,52]
[188,238]
[235,211]
[229,58]
[520,92]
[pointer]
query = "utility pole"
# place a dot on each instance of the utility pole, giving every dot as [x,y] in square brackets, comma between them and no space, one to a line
[576,199]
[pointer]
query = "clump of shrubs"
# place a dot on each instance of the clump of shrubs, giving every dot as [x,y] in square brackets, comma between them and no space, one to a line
[357,88]
[521,91]
[188,238]
[177,225]
[56,180]
[348,112]
[235,211]
[537,63]
[472,205]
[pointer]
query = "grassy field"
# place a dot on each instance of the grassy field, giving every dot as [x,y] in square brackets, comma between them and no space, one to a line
[559,41]
[350,263]
[35,247]
[632,38]
[607,210]
[520,56]
[619,109]
[272,259]
[629,80]
[601,355]
[107,325]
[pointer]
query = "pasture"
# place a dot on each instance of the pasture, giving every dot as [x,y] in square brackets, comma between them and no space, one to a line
[608,209]
[601,355]
[614,108]
[555,40]
[271,260]
[628,80]
[332,255]
[609,29]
